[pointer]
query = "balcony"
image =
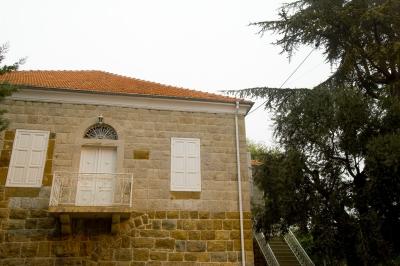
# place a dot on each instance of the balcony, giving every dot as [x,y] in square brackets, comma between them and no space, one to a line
[91,195]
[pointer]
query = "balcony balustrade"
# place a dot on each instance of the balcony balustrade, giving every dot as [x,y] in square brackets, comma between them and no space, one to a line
[91,195]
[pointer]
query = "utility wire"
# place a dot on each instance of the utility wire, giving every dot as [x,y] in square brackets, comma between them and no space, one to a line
[286,80]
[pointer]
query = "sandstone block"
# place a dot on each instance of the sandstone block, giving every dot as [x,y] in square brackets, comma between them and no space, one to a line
[156,224]
[169,224]
[222,235]
[247,215]
[153,263]
[125,242]
[165,243]
[123,254]
[145,219]
[189,225]
[229,245]
[142,242]
[137,214]
[39,262]
[204,215]
[179,234]
[232,215]
[227,225]
[196,246]
[175,257]
[160,215]
[180,245]
[29,193]
[29,249]
[235,235]
[248,244]
[153,233]
[16,224]
[159,256]
[190,256]
[219,256]
[207,235]
[217,224]
[184,215]
[3,173]
[4,213]
[44,249]
[38,213]
[8,145]
[247,224]
[138,222]
[235,224]
[173,214]
[236,245]
[133,263]
[40,203]
[203,257]
[65,249]
[18,236]
[46,223]
[10,250]
[194,235]
[194,215]
[13,262]
[140,254]
[9,135]
[216,245]
[232,256]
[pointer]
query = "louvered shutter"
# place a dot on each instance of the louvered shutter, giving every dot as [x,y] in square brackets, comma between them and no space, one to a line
[28,158]
[185,164]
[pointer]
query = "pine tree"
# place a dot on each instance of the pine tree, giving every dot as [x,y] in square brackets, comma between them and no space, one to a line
[6,89]
[337,176]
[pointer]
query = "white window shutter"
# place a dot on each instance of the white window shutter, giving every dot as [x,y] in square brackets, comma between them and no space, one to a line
[28,158]
[185,164]
[193,179]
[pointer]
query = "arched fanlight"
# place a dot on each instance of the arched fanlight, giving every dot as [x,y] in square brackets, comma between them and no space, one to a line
[101,131]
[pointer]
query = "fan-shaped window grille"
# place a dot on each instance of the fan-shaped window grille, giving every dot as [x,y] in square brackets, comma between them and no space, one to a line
[101,131]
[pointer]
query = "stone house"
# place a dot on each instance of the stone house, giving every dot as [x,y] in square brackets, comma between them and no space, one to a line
[102,169]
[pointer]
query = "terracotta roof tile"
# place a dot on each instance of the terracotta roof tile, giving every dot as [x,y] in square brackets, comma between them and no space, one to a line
[104,82]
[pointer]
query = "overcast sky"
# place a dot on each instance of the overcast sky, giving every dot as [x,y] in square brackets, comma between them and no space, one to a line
[198,44]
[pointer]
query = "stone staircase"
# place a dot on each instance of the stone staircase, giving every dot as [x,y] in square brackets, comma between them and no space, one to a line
[282,252]
[279,251]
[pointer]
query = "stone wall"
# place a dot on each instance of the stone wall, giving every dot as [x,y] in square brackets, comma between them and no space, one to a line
[166,228]
[32,237]
[150,130]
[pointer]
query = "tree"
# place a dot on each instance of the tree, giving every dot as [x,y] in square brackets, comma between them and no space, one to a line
[338,174]
[6,89]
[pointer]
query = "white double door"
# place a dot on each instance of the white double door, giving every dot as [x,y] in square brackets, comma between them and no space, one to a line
[96,176]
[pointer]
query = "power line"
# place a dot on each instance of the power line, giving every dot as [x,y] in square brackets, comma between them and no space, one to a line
[286,80]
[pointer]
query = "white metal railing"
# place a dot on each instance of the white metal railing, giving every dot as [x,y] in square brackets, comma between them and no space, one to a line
[91,189]
[297,249]
[266,249]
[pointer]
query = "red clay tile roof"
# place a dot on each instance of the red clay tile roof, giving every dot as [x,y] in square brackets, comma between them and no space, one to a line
[104,82]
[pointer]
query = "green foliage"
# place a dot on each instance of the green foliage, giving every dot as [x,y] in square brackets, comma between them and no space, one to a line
[336,174]
[360,36]
[5,88]
[257,150]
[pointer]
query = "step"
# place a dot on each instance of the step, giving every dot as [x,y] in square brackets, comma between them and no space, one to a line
[282,252]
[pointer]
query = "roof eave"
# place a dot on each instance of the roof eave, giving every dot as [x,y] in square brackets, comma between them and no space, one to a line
[241,101]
